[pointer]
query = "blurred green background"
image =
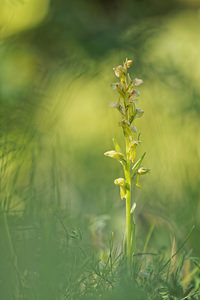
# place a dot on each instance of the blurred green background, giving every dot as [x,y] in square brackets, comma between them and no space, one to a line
[56,61]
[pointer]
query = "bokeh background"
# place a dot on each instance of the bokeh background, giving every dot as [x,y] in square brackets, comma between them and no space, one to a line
[56,61]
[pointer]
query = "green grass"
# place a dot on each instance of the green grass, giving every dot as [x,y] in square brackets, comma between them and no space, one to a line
[51,259]
[49,253]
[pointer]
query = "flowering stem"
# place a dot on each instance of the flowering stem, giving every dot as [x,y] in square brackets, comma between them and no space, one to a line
[128,217]
[126,105]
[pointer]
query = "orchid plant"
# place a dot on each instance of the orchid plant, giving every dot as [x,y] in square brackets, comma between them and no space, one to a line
[126,105]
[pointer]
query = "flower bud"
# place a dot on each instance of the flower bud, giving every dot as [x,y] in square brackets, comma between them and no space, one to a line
[133,129]
[119,71]
[114,154]
[139,112]
[134,92]
[133,208]
[137,81]
[132,149]
[124,187]
[129,63]
[120,181]
[143,171]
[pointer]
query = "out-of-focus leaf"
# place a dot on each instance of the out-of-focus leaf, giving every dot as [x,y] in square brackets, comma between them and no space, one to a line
[129,78]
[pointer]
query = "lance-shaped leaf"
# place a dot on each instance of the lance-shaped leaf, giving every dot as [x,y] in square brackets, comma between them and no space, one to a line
[124,187]
[132,149]
[116,155]
[138,163]
[117,147]
[129,80]
[139,112]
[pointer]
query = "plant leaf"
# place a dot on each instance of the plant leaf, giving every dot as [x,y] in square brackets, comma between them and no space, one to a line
[117,147]
[138,163]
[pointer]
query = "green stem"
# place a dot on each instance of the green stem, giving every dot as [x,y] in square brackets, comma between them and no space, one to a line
[128,228]
[128,206]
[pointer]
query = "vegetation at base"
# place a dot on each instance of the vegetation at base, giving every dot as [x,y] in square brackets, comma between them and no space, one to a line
[47,258]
